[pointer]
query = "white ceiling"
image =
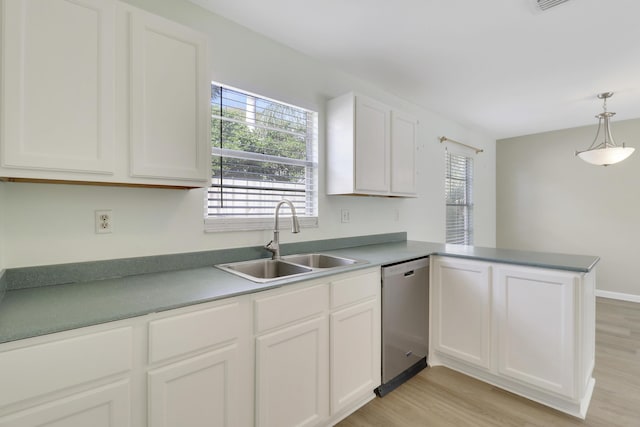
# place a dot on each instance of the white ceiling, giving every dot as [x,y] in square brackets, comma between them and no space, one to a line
[499,65]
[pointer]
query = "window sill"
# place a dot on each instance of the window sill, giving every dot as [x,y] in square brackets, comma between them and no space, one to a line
[217,225]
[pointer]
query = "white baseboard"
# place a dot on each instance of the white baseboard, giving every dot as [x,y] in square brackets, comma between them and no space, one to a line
[618,295]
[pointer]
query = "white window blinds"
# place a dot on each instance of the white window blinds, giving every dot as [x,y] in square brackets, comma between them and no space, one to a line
[459,198]
[262,151]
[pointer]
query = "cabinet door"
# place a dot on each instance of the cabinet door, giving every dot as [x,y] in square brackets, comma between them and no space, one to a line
[292,373]
[535,310]
[403,154]
[197,392]
[355,353]
[461,310]
[107,406]
[372,151]
[169,101]
[206,377]
[57,87]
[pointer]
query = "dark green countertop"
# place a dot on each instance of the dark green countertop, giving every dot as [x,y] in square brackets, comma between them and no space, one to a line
[33,311]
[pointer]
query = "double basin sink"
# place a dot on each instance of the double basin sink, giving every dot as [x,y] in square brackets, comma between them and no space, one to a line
[267,270]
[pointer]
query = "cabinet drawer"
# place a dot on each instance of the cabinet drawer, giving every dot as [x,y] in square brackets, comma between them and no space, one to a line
[43,368]
[356,288]
[178,335]
[274,311]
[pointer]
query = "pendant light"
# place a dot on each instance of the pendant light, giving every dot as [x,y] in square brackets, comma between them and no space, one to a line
[607,152]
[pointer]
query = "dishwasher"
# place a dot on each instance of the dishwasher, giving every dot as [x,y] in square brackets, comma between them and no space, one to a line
[405,322]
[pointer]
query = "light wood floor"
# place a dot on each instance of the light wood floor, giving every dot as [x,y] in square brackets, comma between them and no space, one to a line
[440,397]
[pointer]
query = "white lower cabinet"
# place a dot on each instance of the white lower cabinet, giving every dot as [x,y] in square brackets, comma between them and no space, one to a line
[317,350]
[107,406]
[306,354]
[291,375]
[201,364]
[355,354]
[536,328]
[292,356]
[196,392]
[77,378]
[461,309]
[355,340]
[185,367]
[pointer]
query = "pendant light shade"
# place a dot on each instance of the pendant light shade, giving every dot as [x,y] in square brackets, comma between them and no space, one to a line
[606,156]
[606,152]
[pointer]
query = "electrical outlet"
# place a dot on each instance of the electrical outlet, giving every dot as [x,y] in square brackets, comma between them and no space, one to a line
[104,222]
[345,216]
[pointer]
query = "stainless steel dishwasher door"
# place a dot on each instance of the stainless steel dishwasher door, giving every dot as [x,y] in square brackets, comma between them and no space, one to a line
[405,319]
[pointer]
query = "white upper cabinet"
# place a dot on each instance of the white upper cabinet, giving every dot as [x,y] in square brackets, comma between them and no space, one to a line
[370,148]
[169,100]
[57,87]
[98,91]
[403,153]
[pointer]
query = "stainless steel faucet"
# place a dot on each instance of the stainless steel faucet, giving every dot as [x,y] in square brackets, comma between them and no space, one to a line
[274,245]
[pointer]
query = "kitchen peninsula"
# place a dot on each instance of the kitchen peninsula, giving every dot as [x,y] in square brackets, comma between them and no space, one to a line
[523,321]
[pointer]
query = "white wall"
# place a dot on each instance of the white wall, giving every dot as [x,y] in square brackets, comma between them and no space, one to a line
[49,224]
[550,200]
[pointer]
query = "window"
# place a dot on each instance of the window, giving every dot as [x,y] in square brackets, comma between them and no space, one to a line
[459,198]
[262,151]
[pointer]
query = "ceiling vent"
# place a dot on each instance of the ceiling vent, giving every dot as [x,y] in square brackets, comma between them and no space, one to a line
[548,4]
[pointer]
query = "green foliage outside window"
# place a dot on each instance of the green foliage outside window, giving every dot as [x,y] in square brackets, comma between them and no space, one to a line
[257,126]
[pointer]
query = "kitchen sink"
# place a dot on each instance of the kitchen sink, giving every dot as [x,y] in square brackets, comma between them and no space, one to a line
[321,260]
[264,270]
[267,270]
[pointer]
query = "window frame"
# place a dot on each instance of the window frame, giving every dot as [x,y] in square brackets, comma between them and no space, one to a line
[266,222]
[468,229]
